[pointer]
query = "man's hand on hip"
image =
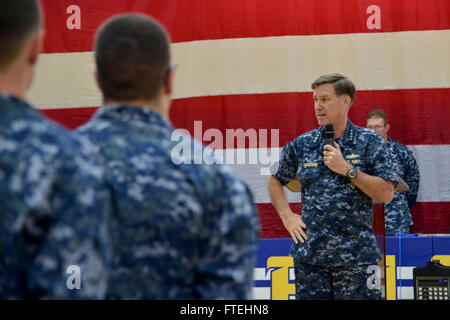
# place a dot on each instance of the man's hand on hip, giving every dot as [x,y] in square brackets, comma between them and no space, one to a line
[295,225]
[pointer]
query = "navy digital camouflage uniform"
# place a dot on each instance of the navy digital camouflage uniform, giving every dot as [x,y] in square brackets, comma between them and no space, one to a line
[396,213]
[54,208]
[181,230]
[337,214]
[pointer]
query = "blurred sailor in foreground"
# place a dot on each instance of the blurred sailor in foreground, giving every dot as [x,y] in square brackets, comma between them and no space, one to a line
[181,230]
[54,204]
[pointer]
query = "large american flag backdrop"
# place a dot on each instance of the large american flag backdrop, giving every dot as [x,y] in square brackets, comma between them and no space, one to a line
[248,64]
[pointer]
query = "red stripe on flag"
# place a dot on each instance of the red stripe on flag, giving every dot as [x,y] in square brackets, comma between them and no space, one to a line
[271,225]
[417,116]
[428,217]
[219,19]
[70,118]
[431,217]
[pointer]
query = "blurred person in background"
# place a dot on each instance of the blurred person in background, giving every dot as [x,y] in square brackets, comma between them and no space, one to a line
[397,214]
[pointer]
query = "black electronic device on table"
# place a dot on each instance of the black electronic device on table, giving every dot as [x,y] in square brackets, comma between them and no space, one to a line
[432,282]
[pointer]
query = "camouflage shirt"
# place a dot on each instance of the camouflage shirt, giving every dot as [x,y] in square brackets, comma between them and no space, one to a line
[337,214]
[397,215]
[54,207]
[181,230]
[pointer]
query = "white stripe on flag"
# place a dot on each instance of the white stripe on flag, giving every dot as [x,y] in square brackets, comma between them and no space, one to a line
[396,60]
[432,161]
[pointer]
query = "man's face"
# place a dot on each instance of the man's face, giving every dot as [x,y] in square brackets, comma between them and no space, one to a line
[330,108]
[377,124]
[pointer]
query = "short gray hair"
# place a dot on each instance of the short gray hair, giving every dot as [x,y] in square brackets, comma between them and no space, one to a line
[342,84]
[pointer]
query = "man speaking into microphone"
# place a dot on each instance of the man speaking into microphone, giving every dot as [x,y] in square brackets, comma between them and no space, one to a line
[341,167]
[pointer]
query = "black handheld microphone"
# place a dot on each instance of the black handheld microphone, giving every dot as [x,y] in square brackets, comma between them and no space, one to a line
[329,134]
[329,138]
